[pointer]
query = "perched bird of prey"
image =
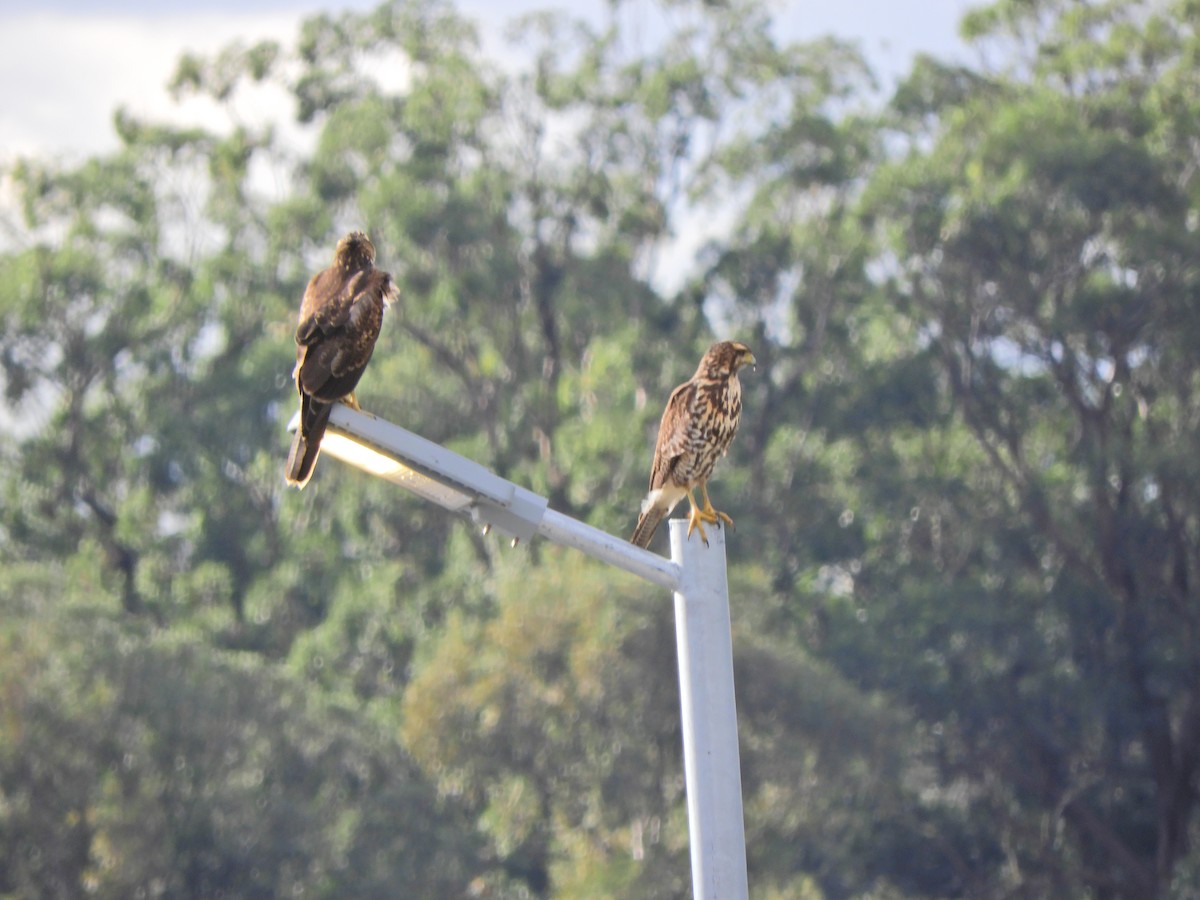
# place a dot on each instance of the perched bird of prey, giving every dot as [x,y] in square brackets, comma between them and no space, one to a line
[696,429]
[339,322]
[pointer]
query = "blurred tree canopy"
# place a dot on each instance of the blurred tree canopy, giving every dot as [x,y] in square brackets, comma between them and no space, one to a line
[966,573]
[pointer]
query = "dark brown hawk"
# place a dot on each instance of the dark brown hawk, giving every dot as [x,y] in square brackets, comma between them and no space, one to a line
[340,319]
[696,429]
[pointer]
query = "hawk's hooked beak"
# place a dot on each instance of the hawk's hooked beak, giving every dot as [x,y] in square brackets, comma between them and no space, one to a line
[749,360]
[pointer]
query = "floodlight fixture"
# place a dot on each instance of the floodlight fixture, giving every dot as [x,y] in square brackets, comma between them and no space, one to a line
[433,472]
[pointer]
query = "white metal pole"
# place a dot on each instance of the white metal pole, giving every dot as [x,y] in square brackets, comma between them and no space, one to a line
[695,573]
[712,765]
[607,548]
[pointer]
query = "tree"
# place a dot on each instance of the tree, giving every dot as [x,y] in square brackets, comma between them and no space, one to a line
[967,530]
[1040,230]
[134,762]
[529,335]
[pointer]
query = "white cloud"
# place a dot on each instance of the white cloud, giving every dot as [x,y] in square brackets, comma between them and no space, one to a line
[63,76]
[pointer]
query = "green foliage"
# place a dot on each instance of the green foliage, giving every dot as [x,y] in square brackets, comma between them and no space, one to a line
[968,528]
[145,763]
[1045,268]
[553,724]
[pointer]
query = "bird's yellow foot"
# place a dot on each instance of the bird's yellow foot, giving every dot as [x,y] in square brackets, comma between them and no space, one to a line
[352,401]
[696,520]
[709,514]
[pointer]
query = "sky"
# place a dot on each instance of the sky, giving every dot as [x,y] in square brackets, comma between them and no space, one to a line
[67,65]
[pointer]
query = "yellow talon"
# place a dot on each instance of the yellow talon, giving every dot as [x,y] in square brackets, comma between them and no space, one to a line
[352,401]
[696,519]
[708,513]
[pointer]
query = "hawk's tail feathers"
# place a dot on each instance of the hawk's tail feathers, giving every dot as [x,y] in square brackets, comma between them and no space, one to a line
[647,524]
[306,446]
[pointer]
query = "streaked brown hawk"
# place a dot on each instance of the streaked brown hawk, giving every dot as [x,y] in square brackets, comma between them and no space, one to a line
[340,318]
[697,427]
